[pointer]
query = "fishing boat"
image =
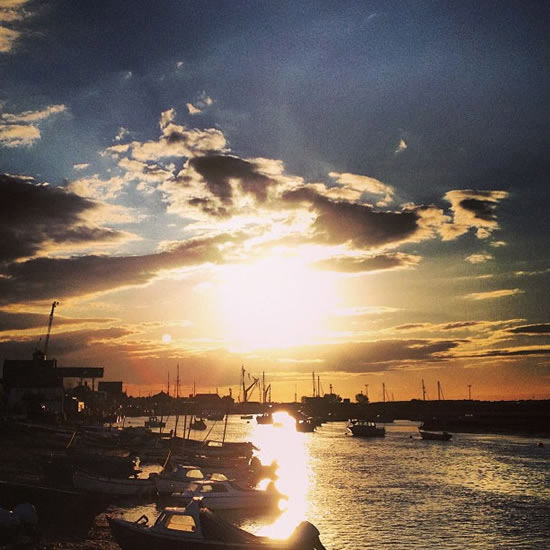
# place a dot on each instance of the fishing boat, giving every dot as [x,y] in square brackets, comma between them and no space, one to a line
[435,436]
[194,528]
[227,495]
[365,428]
[130,487]
[154,422]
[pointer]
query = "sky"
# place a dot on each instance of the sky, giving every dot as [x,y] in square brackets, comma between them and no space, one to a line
[357,189]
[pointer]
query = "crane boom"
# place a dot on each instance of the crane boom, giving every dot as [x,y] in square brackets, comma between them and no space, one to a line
[50,321]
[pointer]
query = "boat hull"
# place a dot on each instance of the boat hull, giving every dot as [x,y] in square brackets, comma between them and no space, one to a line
[134,537]
[140,488]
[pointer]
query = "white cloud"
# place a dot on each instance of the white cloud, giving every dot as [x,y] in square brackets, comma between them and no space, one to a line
[192,109]
[479,258]
[472,210]
[401,146]
[17,135]
[33,116]
[82,166]
[16,130]
[355,184]
[122,133]
[7,39]
[493,294]
[166,117]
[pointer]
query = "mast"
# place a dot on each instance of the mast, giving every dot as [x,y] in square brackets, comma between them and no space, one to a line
[440,395]
[470,392]
[383,392]
[423,390]
[313,378]
[318,386]
[177,400]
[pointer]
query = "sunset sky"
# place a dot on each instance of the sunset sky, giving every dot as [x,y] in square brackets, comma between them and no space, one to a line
[354,188]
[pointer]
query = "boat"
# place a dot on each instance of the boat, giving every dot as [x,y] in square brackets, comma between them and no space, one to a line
[194,528]
[129,487]
[305,425]
[435,436]
[198,424]
[266,418]
[215,415]
[227,495]
[154,422]
[365,428]
[177,479]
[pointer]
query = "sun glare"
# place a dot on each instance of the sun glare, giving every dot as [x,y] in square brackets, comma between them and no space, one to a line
[280,441]
[166,338]
[275,303]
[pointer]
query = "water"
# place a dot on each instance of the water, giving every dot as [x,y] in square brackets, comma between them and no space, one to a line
[476,491]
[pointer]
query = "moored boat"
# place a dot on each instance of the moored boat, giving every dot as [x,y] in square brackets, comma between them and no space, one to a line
[130,487]
[435,436]
[193,528]
[198,424]
[154,422]
[365,428]
[227,495]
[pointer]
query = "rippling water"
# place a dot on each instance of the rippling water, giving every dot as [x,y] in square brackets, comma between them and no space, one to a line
[475,492]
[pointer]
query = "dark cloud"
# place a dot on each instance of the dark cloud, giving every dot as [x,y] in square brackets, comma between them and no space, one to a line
[217,170]
[49,278]
[376,356]
[32,215]
[481,209]
[341,222]
[374,263]
[460,324]
[21,321]
[411,326]
[513,352]
[64,344]
[541,328]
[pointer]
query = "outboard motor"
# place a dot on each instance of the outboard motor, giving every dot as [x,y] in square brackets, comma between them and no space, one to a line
[306,536]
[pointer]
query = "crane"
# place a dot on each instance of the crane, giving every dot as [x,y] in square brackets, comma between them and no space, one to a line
[245,389]
[50,321]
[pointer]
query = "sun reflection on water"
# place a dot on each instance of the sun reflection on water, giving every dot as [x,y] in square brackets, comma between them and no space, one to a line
[281,442]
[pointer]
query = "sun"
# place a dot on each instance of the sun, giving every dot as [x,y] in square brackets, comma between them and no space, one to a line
[166,338]
[275,303]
